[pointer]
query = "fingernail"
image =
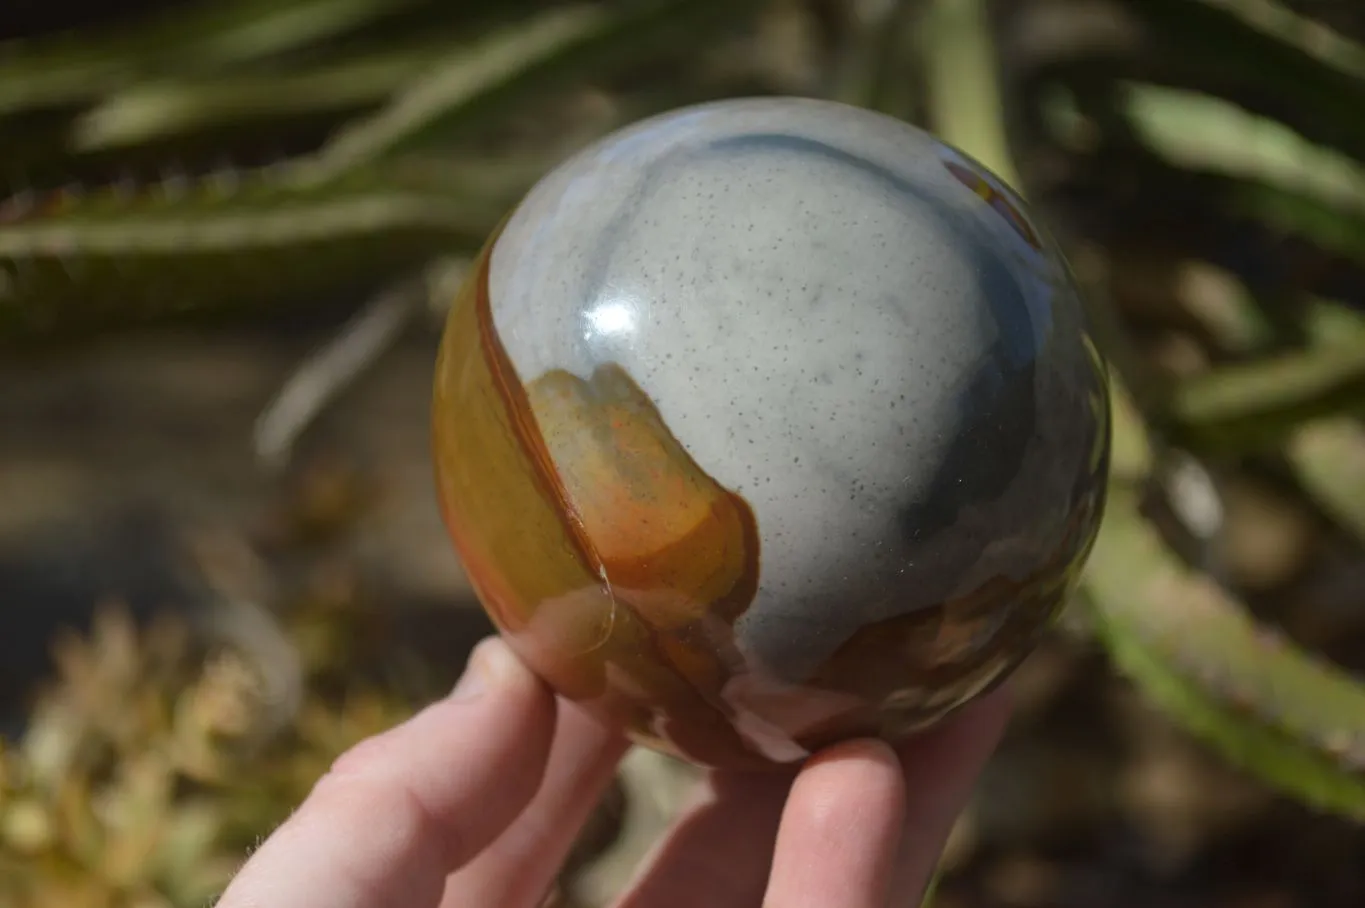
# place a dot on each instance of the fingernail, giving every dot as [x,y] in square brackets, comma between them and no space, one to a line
[474,682]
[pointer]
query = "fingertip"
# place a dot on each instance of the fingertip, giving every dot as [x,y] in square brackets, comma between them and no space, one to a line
[492,663]
[840,830]
[520,703]
[873,749]
[940,769]
[854,782]
[518,868]
[865,767]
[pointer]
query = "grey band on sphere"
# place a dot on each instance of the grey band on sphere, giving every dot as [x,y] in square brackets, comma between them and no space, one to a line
[839,326]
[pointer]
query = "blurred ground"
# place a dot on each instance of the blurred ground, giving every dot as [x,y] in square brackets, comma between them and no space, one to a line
[127,475]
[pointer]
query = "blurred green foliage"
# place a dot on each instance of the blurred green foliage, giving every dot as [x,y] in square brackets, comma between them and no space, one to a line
[228,156]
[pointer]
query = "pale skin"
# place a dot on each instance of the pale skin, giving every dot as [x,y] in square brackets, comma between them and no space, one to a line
[477,799]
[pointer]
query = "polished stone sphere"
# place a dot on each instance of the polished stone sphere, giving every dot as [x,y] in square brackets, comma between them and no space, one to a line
[767,423]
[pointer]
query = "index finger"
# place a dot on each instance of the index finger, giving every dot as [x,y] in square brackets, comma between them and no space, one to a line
[399,812]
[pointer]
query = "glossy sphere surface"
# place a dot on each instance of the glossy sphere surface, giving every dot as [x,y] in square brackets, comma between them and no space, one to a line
[766,423]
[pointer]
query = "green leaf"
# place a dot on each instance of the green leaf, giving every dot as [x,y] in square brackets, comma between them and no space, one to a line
[156,111]
[1320,92]
[1201,132]
[1326,226]
[458,80]
[1328,457]
[965,106]
[77,70]
[245,237]
[1296,721]
[563,46]
[1256,404]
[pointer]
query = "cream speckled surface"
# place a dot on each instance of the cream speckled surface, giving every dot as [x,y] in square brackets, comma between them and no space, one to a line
[836,328]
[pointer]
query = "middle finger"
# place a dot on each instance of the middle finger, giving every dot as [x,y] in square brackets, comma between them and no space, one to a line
[718,851]
[518,868]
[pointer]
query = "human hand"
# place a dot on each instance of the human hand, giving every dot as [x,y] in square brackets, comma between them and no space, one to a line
[476,801]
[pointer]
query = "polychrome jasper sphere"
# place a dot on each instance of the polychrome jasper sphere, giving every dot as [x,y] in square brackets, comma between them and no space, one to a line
[768,423]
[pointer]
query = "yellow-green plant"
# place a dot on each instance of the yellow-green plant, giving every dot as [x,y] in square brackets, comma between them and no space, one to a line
[142,780]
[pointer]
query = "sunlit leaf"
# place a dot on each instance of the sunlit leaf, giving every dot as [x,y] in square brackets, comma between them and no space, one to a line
[77,69]
[1329,458]
[1257,403]
[1294,720]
